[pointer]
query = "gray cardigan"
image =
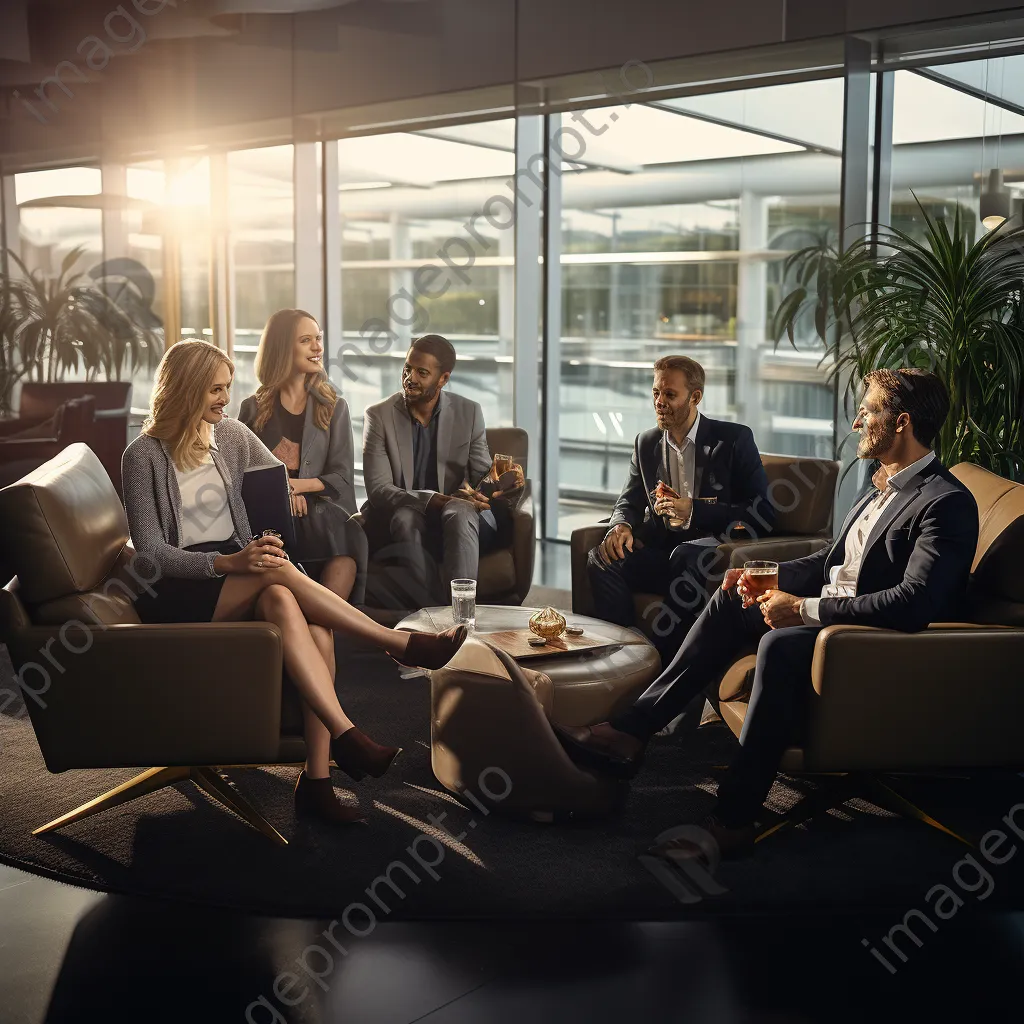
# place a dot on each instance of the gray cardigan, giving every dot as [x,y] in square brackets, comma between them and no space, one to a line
[152,500]
[325,454]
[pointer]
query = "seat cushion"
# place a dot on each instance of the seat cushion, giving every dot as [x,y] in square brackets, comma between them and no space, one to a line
[64,526]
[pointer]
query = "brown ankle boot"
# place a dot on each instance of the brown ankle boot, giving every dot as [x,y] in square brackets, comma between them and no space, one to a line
[357,755]
[433,650]
[315,798]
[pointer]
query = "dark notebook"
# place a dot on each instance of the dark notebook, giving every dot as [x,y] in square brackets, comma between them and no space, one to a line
[265,494]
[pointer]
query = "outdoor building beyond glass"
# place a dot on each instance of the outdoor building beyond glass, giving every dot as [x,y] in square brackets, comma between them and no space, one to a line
[559,272]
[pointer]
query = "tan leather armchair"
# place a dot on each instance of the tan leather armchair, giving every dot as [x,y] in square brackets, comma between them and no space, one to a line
[949,697]
[505,575]
[128,695]
[803,492]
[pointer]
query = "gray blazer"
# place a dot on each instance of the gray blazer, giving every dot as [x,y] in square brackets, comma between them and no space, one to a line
[152,499]
[326,454]
[462,453]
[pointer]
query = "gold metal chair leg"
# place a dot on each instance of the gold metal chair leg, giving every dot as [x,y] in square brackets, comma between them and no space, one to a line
[221,789]
[885,796]
[148,782]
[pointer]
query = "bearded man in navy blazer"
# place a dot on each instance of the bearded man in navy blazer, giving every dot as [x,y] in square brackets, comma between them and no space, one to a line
[660,543]
[901,561]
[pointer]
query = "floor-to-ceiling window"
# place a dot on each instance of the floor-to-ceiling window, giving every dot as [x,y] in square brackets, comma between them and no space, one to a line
[262,254]
[60,210]
[952,125]
[423,251]
[675,223]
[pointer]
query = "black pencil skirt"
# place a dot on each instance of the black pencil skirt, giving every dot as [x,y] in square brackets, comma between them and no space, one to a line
[184,600]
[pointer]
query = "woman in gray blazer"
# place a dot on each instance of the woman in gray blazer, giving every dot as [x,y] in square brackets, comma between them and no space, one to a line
[299,416]
[183,497]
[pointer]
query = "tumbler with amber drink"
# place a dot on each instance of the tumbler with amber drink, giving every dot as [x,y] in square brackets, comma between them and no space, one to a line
[761,577]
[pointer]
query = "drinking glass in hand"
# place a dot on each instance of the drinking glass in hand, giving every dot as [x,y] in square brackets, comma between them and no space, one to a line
[761,577]
[464,603]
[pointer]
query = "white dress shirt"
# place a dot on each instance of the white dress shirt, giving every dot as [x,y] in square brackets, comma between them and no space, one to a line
[843,578]
[682,466]
[205,515]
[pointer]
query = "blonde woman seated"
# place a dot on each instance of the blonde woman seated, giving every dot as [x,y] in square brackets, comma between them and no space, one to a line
[299,416]
[183,496]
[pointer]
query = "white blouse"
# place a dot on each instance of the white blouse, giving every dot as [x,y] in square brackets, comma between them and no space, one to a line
[205,515]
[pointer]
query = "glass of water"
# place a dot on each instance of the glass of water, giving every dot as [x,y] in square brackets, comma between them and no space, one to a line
[464,602]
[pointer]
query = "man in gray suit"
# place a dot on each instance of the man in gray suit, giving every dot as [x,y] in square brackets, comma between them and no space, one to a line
[424,456]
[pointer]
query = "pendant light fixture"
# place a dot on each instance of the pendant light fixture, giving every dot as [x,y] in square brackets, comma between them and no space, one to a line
[994,205]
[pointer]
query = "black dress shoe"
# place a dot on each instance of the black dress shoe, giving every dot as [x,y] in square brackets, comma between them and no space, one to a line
[731,842]
[590,755]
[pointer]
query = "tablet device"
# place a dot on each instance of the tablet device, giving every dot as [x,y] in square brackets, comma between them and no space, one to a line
[265,493]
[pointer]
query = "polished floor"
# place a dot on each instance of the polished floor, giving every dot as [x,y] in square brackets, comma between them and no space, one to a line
[67,955]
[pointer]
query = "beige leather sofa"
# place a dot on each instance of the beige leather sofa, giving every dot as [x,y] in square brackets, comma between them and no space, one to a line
[129,695]
[803,492]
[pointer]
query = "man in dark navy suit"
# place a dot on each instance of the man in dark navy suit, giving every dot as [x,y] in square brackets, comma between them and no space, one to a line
[660,538]
[901,561]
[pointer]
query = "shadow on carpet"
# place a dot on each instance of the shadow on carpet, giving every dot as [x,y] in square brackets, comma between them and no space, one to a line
[424,855]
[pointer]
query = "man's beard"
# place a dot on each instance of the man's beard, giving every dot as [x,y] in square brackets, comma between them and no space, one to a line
[424,395]
[874,445]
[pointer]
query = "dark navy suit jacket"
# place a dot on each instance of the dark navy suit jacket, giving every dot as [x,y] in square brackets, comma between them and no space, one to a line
[916,563]
[727,467]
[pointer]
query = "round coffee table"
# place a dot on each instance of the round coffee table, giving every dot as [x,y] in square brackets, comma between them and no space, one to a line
[589,686]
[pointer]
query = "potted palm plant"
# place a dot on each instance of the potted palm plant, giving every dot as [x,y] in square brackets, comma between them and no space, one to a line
[951,303]
[68,323]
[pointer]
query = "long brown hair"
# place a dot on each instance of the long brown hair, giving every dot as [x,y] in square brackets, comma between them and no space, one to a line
[274,361]
[180,395]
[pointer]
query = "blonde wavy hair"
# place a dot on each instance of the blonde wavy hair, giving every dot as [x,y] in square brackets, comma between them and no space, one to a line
[274,361]
[180,396]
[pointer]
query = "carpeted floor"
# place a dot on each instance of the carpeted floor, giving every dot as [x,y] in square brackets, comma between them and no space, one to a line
[178,844]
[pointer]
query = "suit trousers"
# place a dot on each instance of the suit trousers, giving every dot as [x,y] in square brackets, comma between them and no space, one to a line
[780,702]
[453,536]
[678,572]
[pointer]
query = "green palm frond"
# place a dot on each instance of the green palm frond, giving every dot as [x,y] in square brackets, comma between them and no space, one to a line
[951,303]
[50,325]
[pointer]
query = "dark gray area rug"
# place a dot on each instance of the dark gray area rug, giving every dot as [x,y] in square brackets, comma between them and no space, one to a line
[177,844]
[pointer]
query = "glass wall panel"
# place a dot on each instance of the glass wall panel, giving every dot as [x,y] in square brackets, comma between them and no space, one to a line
[145,223]
[49,228]
[946,141]
[423,251]
[187,213]
[262,239]
[675,223]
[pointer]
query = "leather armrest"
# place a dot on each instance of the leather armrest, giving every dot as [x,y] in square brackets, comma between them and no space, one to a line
[524,543]
[16,424]
[774,549]
[949,696]
[152,695]
[582,540]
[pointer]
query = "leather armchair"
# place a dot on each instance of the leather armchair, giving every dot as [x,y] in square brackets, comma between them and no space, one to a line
[803,493]
[128,694]
[109,434]
[28,442]
[505,575]
[949,697]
